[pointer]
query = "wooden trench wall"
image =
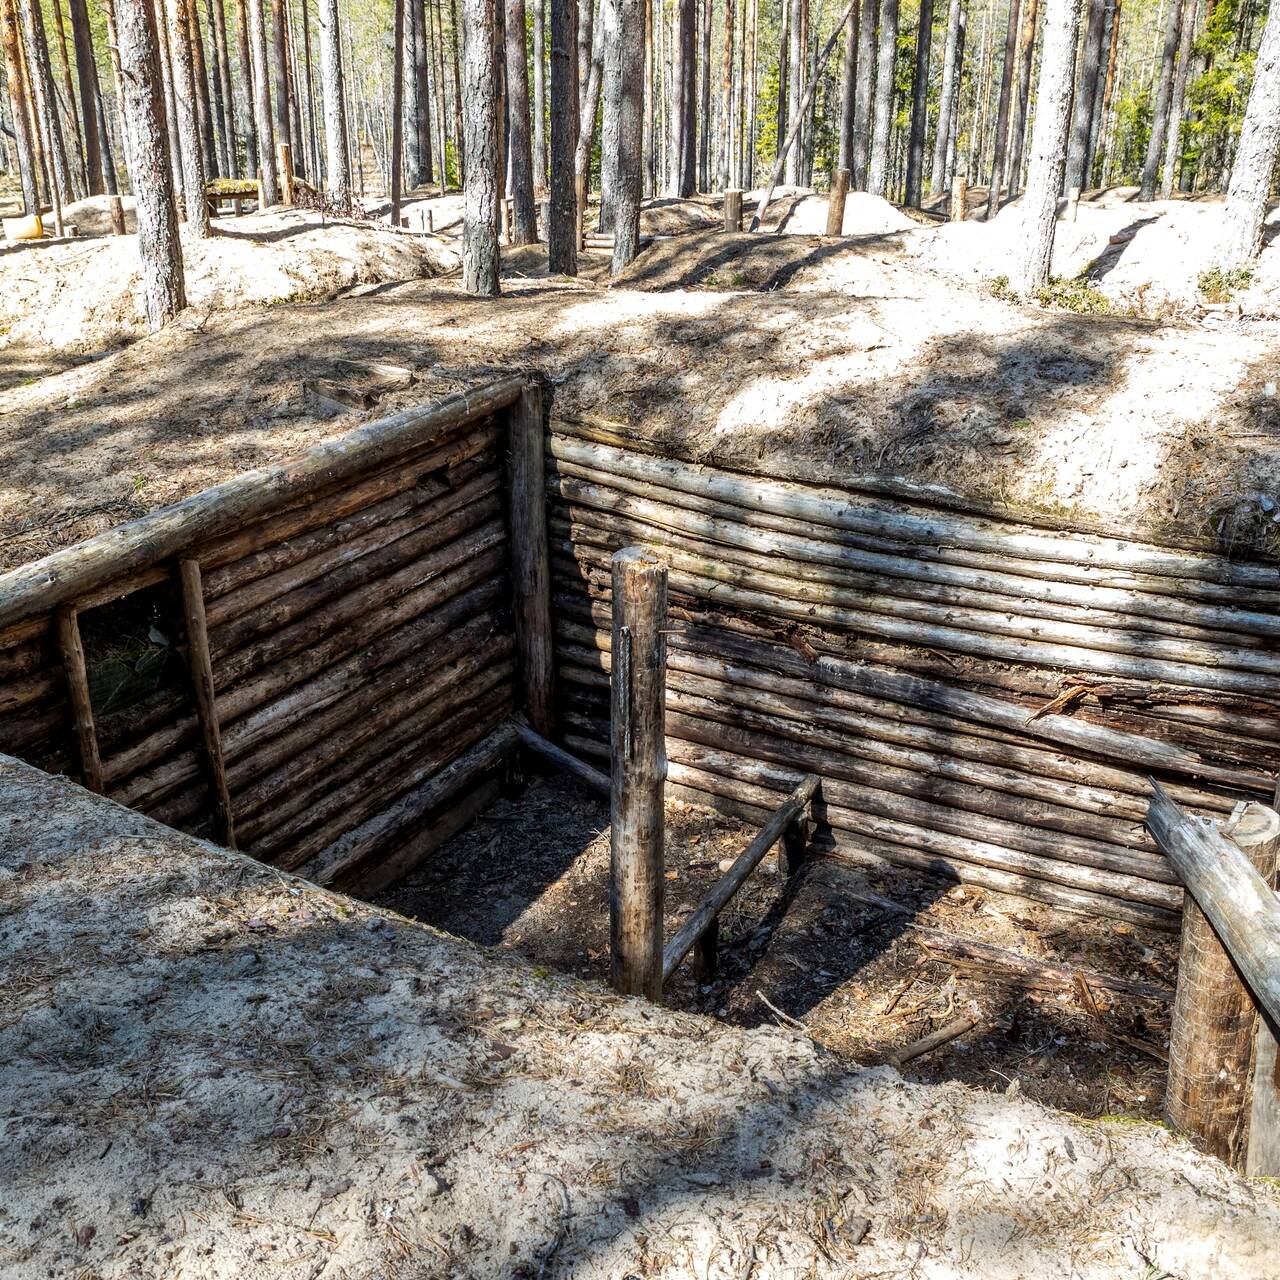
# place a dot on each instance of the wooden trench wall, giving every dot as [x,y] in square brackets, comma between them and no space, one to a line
[346,632]
[982,698]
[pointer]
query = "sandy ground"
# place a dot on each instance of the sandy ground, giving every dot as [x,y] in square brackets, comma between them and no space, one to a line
[212,1070]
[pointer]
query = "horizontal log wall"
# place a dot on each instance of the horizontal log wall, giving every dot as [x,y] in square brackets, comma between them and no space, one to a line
[357,636]
[982,699]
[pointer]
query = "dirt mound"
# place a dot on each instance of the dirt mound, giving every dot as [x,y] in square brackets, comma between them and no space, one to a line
[91,216]
[670,215]
[864,215]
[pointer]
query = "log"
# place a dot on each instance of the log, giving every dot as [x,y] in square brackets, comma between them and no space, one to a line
[561,759]
[638,770]
[1212,1034]
[836,201]
[25,691]
[708,911]
[21,659]
[530,567]
[349,850]
[206,700]
[71,651]
[68,574]
[934,1040]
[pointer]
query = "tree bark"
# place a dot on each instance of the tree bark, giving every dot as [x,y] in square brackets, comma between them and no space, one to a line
[414,47]
[590,105]
[40,72]
[454,29]
[1034,249]
[539,96]
[279,72]
[72,115]
[623,140]
[1026,56]
[866,92]
[218,18]
[395,154]
[524,220]
[163,284]
[262,104]
[188,125]
[1255,156]
[562,237]
[798,58]
[1101,98]
[878,173]
[250,94]
[683,115]
[919,106]
[200,83]
[19,107]
[1173,133]
[87,79]
[1164,91]
[948,97]
[1086,91]
[480,146]
[849,93]
[337,158]
[1002,114]
[726,96]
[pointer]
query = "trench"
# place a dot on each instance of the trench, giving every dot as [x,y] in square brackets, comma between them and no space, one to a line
[319,663]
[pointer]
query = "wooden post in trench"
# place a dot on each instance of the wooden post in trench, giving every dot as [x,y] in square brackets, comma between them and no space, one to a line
[1214,1025]
[836,202]
[639,768]
[733,210]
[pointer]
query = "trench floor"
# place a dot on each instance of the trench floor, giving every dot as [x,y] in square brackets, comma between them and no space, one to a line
[531,877]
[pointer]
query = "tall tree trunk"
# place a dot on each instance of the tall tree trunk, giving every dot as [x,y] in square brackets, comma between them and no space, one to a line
[46,103]
[204,105]
[413,50]
[590,107]
[683,127]
[870,14]
[163,283]
[86,104]
[1255,156]
[784,73]
[704,94]
[586,47]
[19,106]
[948,95]
[160,20]
[1002,113]
[193,156]
[797,59]
[919,106]
[753,93]
[1164,91]
[1026,56]
[1101,100]
[623,133]
[878,170]
[849,92]
[480,141]
[252,153]
[1086,90]
[280,72]
[337,158]
[438,79]
[262,104]
[726,97]
[109,182]
[395,157]
[1033,248]
[1173,132]
[562,235]
[231,145]
[524,214]
[454,30]
[539,96]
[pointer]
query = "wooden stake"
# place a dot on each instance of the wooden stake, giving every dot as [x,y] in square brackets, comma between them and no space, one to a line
[733,210]
[116,209]
[1073,204]
[284,157]
[639,768]
[836,201]
[73,666]
[530,567]
[206,701]
[959,198]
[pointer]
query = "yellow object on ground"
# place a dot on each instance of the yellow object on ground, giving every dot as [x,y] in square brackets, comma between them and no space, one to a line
[28,227]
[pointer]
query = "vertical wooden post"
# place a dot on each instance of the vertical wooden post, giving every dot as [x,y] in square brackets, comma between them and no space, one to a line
[639,768]
[733,210]
[206,701]
[836,202]
[116,208]
[959,198]
[71,650]
[286,172]
[1211,1039]
[530,563]
[1262,1155]
[706,955]
[1073,204]
[580,225]
[431,222]
[793,846]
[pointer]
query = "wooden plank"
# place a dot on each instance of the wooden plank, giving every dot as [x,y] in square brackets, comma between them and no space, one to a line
[206,699]
[71,650]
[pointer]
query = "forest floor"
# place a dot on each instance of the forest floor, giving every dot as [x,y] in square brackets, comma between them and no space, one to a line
[792,353]
[214,1070]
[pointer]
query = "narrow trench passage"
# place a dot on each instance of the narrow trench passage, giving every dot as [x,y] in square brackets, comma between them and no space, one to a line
[530,877]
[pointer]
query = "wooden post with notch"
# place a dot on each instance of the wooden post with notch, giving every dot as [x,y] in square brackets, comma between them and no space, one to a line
[733,210]
[1211,1039]
[836,202]
[530,559]
[206,701]
[71,651]
[638,773]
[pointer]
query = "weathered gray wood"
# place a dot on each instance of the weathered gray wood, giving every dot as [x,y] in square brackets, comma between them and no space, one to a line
[530,566]
[733,210]
[69,574]
[639,768]
[708,911]
[1262,1157]
[836,202]
[206,699]
[71,651]
[561,758]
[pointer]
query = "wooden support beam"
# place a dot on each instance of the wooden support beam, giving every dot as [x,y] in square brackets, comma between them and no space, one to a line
[959,199]
[733,210]
[1231,932]
[836,202]
[206,700]
[639,769]
[784,817]
[284,157]
[530,566]
[1262,1151]
[561,758]
[71,651]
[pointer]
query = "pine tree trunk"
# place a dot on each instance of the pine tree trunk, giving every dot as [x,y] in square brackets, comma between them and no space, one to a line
[163,283]
[586,46]
[262,104]
[1033,247]
[784,73]
[252,161]
[562,239]
[948,95]
[798,57]
[218,20]
[337,160]
[1173,132]
[1002,113]
[726,96]
[539,97]
[704,96]
[919,106]
[683,126]
[41,73]
[1086,89]
[454,30]
[72,115]
[19,107]
[753,98]
[279,72]
[622,142]
[437,81]
[866,92]
[188,122]
[1164,91]
[524,214]
[200,83]
[878,171]
[1026,56]
[1101,99]
[160,19]
[1255,155]
[109,182]
[413,162]
[849,93]
[395,152]
[590,108]
[480,143]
